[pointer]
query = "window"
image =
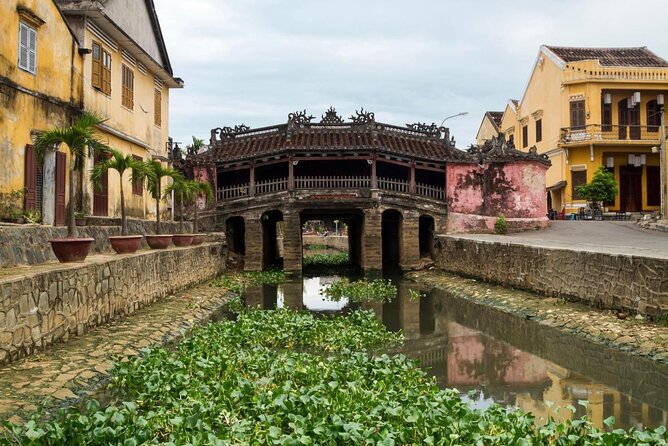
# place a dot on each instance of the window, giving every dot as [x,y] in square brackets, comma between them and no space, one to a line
[606,116]
[27,48]
[578,178]
[525,135]
[157,105]
[101,75]
[137,187]
[653,117]
[577,115]
[653,186]
[128,83]
[539,130]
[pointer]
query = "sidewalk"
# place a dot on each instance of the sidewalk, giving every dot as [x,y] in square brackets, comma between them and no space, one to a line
[77,368]
[608,237]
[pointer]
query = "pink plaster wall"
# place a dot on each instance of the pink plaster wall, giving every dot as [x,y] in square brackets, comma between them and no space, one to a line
[516,190]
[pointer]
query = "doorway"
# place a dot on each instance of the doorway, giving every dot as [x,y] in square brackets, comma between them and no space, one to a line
[101,194]
[630,188]
[61,164]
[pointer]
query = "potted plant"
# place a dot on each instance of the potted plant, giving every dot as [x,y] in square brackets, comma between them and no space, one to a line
[124,243]
[603,187]
[183,193]
[200,188]
[154,172]
[80,218]
[81,139]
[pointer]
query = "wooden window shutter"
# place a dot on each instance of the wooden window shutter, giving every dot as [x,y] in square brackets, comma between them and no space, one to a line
[539,130]
[128,80]
[106,72]
[27,48]
[157,107]
[96,77]
[30,178]
[32,50]
[137,186]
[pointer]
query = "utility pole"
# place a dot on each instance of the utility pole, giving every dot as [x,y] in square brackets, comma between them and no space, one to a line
[662,160]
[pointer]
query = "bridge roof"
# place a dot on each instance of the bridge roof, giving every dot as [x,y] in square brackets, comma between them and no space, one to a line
[332,135]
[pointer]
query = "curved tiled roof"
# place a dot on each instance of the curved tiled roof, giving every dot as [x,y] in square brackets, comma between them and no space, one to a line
[612,57]
[332,135]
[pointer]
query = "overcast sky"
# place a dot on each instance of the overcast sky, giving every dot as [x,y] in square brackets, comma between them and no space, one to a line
[255,61]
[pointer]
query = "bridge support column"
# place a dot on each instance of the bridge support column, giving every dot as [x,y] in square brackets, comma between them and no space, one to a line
[372,259]
[292,242]
[253,237]
[410,249]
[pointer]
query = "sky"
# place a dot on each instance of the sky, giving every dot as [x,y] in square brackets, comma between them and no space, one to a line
[255,61]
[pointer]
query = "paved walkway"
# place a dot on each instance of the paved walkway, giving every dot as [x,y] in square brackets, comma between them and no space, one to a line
[70,371]
[610,237]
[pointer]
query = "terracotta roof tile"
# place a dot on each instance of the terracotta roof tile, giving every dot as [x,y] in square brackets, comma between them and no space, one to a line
[612,57]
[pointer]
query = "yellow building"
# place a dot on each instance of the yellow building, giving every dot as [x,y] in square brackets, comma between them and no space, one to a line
[127,76]
[40,87]
[592,107]
[489,127]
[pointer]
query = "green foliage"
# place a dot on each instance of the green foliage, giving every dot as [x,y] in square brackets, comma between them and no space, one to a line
[11,204]
[326,260]
[236,283]
[602,187]
[288,378]
[501,225]
[316,247]
[33,216]
[361,290]
[154,172]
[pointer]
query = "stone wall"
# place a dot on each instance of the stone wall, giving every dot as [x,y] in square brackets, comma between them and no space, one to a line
[58,301]
[338,242]
[29,244]
[622,282]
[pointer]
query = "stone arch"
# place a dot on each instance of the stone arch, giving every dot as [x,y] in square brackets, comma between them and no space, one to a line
[426,232]
[272,246]
[235,233]
[392,238]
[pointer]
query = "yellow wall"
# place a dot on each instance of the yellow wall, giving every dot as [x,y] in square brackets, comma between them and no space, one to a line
[486,131]
[50,96]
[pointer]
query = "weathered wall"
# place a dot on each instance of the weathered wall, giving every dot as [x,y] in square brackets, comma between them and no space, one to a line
[30,244]
[43,308]
[624,282]
[339,242]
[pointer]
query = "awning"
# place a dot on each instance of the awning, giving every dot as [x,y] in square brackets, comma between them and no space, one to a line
[557,186]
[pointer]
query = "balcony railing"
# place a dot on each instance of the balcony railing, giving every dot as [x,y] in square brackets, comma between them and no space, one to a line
[265,187]
[611,133]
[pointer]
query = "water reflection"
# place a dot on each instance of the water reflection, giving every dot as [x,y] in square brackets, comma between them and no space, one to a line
[493,357]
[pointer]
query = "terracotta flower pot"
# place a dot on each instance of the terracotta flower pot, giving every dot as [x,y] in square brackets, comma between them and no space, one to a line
[71,249]
[182,239]
[198,239]
[158,241]
[80,221]
[125,244]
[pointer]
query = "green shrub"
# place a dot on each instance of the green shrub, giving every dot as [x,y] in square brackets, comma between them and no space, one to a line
[326,260]
[361,290]
[501,225]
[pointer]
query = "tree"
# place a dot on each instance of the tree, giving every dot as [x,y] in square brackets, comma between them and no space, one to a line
[603,187]
[82,140]
[183,192]
[200,188]
[121,164]
[187,192]
[154,172]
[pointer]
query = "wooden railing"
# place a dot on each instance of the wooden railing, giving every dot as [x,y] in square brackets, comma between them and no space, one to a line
[265,187]
[393,185]
[227,193]
[345,182]
[611,133]
[426,190]
[271,186]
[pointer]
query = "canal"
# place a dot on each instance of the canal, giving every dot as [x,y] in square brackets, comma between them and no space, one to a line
[495,357]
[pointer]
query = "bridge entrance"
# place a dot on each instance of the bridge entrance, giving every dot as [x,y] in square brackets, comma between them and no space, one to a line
[333,221]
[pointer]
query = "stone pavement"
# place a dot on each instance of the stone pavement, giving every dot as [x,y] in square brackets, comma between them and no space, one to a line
[608,237]
[71,371]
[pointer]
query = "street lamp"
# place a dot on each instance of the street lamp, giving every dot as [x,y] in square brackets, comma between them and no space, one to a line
[454,116]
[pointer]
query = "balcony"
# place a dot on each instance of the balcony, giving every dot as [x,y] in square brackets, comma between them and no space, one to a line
[610,134]
[267,187]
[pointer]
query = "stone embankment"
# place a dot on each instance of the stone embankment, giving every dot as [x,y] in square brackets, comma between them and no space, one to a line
[78,369]
[629,283]
[29,244]
[633,335]
[47,304]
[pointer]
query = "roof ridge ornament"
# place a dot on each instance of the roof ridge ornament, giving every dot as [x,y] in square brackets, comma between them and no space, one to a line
[432,128]
[331,117]
[498,150]
[300,117]
[363,117]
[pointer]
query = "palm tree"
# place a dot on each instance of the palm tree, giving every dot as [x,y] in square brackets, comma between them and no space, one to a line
[200,188]
[154,172]
[184,192]
[82,140]
[120,164]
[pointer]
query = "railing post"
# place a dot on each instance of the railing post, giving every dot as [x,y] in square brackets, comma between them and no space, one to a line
[251,186]
[374,177]
[411,188]
[291,172]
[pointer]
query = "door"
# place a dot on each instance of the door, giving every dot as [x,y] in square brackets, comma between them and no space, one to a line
[101,194]
[61,164]
[623,118]
[30,181]
[630,188]
[634,122]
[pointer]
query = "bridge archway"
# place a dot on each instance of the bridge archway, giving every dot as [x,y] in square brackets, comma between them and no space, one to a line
[352,218]
[271,251]
[392,237]
[426,230]
[235,233]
